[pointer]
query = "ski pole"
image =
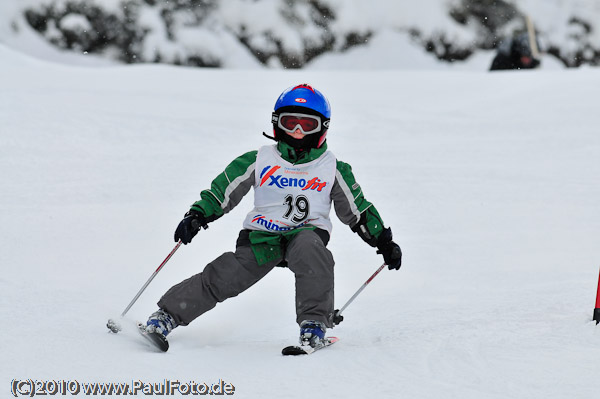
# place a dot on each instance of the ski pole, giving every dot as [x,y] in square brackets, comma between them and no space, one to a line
[151,278]
[597,308]
[337,317]
[113,325]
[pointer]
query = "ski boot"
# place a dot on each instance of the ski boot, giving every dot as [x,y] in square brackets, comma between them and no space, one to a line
[312,333]
[161,322]
[158,326]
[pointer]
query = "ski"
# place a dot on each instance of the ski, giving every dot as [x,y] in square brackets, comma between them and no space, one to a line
[157,340]
[295,350]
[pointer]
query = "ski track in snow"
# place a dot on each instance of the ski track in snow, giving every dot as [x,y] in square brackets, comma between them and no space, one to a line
[489,182]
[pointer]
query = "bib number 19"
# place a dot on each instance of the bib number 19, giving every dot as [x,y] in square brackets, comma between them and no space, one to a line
[298,208]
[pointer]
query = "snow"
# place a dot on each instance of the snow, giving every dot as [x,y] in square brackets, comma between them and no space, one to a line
[75,22]
[488,180]
[389,47]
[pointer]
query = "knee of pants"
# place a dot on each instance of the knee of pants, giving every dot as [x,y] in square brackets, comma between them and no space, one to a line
[306,254]
[229,275]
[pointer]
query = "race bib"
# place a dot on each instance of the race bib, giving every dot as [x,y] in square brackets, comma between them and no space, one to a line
[288,196]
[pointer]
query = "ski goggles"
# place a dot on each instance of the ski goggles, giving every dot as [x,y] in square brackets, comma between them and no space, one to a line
[289,122]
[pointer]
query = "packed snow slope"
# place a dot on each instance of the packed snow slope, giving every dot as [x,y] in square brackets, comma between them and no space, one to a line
[488,180]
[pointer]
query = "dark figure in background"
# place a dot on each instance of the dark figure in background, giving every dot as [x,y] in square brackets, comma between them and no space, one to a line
[515,53]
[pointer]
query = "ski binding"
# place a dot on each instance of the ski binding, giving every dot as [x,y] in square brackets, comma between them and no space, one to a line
[157,340]
[295,350]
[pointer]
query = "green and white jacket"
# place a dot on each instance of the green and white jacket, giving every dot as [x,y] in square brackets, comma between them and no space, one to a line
[292,192]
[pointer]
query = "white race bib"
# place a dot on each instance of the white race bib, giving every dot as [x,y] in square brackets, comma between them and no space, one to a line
[288,196]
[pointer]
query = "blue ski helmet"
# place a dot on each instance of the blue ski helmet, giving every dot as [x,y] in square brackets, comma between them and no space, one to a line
[302,99]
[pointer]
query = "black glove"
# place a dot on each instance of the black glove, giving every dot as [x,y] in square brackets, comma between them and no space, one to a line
[337,317]
[392,254]
[189,227]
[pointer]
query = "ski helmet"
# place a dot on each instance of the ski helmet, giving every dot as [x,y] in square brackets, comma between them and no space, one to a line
[289,109]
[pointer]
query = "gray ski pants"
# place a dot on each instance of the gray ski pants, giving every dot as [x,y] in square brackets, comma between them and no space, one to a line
[234,272]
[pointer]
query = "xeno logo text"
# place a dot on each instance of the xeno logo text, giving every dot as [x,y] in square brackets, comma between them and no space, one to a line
[268,174]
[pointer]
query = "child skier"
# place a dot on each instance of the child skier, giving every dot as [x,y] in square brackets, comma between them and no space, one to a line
[295,181]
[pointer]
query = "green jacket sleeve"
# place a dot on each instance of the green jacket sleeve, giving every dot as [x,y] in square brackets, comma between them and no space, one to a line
[228,188]
[352,208]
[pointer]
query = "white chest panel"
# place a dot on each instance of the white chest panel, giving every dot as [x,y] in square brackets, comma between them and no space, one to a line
[288,196]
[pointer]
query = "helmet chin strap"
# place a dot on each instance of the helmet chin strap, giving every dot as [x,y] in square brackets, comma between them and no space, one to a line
[294,143]
[269,137]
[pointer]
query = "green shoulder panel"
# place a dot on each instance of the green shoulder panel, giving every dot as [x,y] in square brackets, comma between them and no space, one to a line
[228,188]
[350,203]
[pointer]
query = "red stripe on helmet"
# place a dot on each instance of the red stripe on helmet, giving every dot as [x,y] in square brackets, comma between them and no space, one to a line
[304,86]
